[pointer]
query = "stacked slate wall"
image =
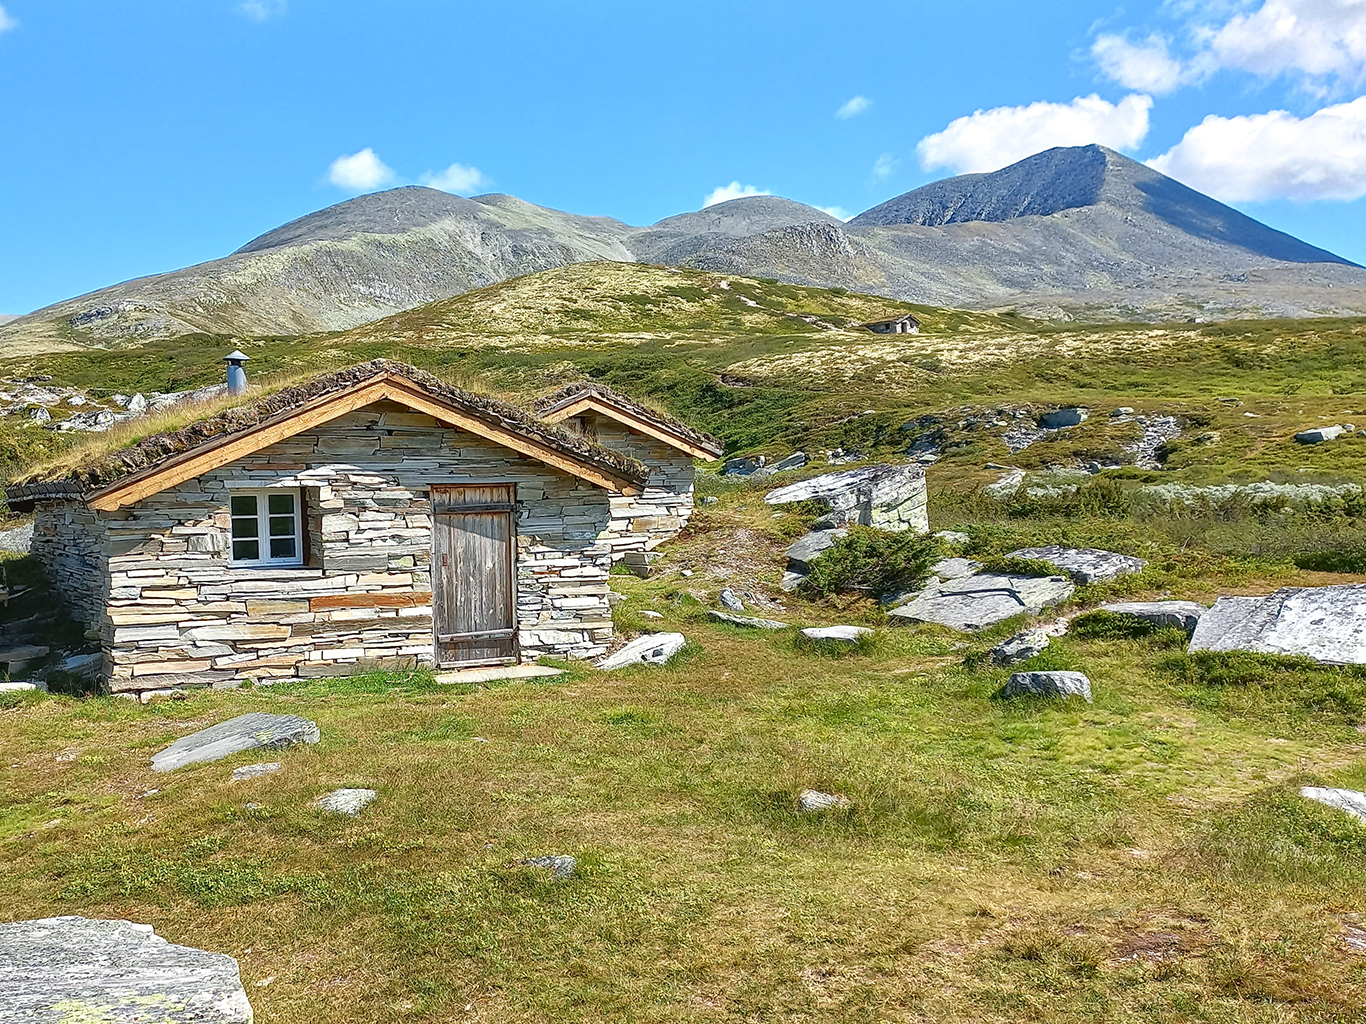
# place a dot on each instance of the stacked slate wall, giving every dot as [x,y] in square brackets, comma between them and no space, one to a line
[177,612]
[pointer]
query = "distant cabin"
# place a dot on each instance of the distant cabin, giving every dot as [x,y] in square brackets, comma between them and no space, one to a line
[906,324]
[666,447]
[372,517]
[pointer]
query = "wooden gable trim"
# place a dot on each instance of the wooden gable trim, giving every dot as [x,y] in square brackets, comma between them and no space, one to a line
[591,403]
[214,455]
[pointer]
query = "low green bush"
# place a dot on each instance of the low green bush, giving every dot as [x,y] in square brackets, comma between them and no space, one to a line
[873,562]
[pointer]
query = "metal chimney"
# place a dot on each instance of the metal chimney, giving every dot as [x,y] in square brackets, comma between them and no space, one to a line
[237,373]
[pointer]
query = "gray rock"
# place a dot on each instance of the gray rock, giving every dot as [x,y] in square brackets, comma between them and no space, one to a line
[884,496]
[1162,614]
[251,771]
[1085,565]
[245,732]
[794,461]
[1348,800]
[1020,647]
[64,970]
[651,649]
[744,466]
[1320,434]
[561,865]
[1059,418]
[84,666]
[647,613]
[710,499]
[137,405]
[748,621]
[837,636]
[983,600]
[812,800]
[40,415]
[952,537]
[1327,624]
[730,601]
[1006,485]
[792,580]
[955,568]
[806,549]
[346,801]
[1048,684]
[1123,410]
[15,686]
[17,540]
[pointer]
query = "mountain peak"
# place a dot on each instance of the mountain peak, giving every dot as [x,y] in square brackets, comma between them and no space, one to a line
[390,212]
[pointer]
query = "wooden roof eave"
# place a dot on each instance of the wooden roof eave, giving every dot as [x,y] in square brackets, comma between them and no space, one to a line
[591,403]
[231,447]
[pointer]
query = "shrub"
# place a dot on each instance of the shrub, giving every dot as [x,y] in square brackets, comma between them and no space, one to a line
[872,562]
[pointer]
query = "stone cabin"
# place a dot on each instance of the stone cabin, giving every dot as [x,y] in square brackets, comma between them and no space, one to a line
[372,517]
[905,324]
[666,447]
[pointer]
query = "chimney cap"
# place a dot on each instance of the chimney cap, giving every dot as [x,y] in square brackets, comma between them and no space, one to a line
[236,356]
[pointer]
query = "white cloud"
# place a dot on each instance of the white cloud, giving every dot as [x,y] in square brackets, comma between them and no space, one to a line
[734,190]
[6,21]
[990,139]
[1147,66]
[857,105]
[884,167]
[457,178]
[838,212]
[260,10]
[359,171]
[1274,155]
[1319,38]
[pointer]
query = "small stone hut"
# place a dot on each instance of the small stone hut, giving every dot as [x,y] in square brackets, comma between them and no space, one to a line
[667,448]
[369,517]
[907,323]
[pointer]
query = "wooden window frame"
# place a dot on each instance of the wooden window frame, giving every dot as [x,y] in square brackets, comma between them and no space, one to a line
[263,537]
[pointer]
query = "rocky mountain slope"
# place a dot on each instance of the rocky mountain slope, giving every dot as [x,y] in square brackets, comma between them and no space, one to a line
[1073,233]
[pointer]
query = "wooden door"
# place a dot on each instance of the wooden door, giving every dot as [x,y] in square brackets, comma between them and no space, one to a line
[474,574]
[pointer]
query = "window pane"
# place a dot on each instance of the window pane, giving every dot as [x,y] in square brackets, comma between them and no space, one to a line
[282,526]
[282,547]
[244,504]
[244,527]
[280,504]
[246,550]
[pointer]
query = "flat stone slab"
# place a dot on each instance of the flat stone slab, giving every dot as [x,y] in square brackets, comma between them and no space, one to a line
[806,549]
[651,649]
[346,801]
[1085,565]
[1058,418]
[837,636]
[495,673]
[1048,684]
[1348,800]
[245,732]
[9,687]
[1327,624]
[1162,614]
[984,600]
[1020,647]
[72,970]
[747,621]
[252,771]
[955,568]
[813,800]
[1316,435]
[885,496]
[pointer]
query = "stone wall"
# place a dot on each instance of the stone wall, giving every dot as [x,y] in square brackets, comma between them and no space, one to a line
[69,541]
[177,612]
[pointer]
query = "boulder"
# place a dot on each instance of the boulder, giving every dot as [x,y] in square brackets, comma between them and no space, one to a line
[748,621]
[813,800]
[1085,565]
[730,601]
[17,540]
[838,637]
[1327,624]
[60,970]
[1048,684]
[1006,485]
[743,466]
[561,865]
[1020,647]
[794,461]
[1348,800]
[983,600]
[955,568]
[883,496]
[1319,434]
[806,549]
[952,537]
[251,771]
[1162,614]
[245,732]
[1055,419]
[650,649]
[346,801]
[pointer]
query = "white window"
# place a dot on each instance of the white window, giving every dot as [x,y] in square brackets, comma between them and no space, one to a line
[266,527]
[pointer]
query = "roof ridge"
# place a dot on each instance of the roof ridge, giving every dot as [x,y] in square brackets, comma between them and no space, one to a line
[572,392]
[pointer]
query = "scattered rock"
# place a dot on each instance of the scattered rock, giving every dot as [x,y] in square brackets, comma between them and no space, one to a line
[748,621]
[1320,434]
[137,405]
[952,537]
[813,800]
[730,601]
[67,969]
[17,540]
[1162,614]
[1123,410]
[794,461]
[1085,565]
[245,732]
[1348,800]
[1048,684]
[561,865]
[1327,624]
[955,568]
[1020,647]
[12,686]
[1059,418]
[346,801]
[83,666]
[838,637]
[1157,431]
[251,771]
[647,613]
[710,499]
[983,600]
[651,649]
[1008,483]
[641,563]
[40,415]
[744,466]
[806,549]
[884,496]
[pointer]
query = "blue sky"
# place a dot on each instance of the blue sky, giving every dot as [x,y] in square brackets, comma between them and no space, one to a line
[145,135]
